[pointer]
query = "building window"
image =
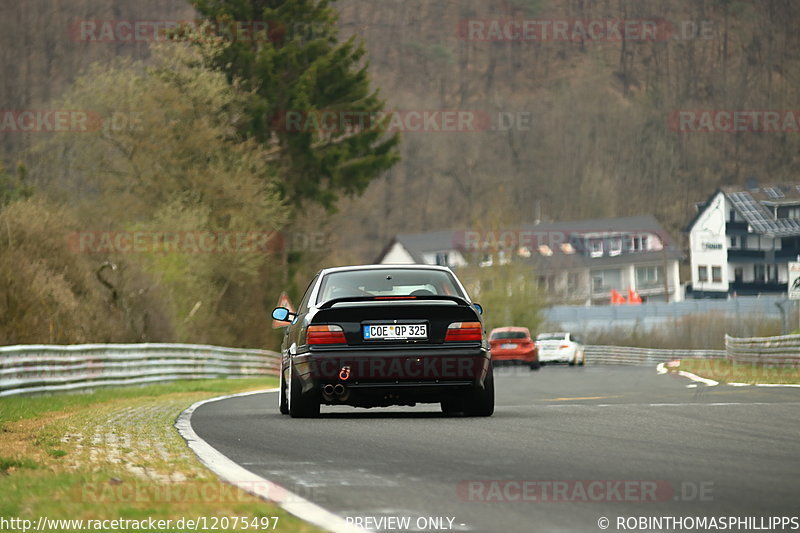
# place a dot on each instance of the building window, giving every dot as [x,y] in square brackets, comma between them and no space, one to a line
[772,273]
[605,280]
[442,259]
[573,280]
[547,283]
[738,274]
[647,277]
[716,274]
[650,276]
[734,242]
[638,243]
[615,246]
[760,273]
[793,213]
[596,248]
[702,273]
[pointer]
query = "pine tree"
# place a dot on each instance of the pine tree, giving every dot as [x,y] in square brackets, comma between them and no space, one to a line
[297,67]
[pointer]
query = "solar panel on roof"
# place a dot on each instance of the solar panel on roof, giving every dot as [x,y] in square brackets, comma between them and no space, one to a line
[774,192]
[760,219]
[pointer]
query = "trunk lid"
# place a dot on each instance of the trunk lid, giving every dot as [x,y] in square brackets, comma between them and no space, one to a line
[434,315]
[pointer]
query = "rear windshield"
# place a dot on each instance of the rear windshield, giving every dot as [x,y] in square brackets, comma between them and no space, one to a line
[551,337]
[387,282]
[509,335]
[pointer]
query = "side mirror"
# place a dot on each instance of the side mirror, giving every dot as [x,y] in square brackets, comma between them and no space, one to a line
[281,314]
[479,307]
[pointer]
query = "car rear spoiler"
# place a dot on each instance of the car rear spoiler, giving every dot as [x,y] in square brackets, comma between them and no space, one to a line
[330,303]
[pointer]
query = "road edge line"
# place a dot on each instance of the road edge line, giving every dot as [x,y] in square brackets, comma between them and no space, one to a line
[711,383]
[695,377]
[230,472]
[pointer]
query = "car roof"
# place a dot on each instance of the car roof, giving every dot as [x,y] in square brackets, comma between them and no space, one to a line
[384,266]
[512,328]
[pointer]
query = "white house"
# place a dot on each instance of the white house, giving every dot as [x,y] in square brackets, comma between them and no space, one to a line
[742,240]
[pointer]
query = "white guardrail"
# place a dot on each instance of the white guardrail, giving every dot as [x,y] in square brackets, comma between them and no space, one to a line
[777,351]
[50,368]
[626,355]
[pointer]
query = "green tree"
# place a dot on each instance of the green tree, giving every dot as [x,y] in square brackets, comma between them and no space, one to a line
[166,159]
[297,65]
[507,292]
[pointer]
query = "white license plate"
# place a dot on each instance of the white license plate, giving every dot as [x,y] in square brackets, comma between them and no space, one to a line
[509,346]
[396,331]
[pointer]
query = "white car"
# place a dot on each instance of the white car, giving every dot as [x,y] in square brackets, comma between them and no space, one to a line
[560,347]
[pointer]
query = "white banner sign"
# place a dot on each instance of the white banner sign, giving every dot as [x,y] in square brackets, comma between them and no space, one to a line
[794,281]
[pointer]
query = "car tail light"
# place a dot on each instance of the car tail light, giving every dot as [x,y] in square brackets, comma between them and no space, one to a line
[564,346]
[326,335]
[464,331]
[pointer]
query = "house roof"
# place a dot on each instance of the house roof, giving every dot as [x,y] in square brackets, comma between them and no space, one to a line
[553,234]
[770,194]
[701,207]
[640,223]
[433,241]
[752,204]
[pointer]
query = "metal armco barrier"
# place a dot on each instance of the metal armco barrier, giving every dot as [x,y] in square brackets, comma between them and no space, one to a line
[777,351]
[49,368]
[625,355]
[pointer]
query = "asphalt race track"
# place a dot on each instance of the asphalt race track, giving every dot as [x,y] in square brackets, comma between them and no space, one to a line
[566,447]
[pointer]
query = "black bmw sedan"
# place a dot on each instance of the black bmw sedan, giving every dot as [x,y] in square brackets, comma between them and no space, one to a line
[381,335]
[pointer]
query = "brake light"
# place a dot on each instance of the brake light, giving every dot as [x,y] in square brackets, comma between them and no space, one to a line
[330,334]
[464,331]
[564,346]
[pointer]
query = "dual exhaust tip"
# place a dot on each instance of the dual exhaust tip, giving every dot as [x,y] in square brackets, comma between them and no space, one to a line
[339,391]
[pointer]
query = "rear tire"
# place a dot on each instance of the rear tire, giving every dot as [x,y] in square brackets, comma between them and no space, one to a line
[583,359]
[451,406]
[535,366]
[283,403]
[301,405]
[480,401]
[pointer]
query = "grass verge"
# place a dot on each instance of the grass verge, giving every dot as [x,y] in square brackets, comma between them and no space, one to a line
[726,371]
[114,454]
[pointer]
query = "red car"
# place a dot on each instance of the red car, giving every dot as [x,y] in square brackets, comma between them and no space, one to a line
[514,345]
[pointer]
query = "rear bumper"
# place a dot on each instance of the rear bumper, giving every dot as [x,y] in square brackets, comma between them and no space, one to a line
[392,376]
[558,357]
[528,357]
